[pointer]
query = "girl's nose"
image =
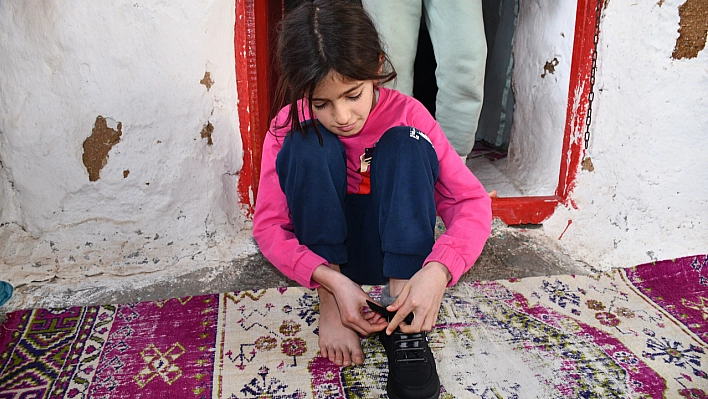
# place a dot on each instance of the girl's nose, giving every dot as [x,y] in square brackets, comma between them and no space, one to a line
[341,115]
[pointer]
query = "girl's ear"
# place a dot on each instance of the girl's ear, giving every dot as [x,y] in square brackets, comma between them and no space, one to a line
[381,62]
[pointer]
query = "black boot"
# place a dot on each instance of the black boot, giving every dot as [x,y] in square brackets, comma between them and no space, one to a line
[411,366]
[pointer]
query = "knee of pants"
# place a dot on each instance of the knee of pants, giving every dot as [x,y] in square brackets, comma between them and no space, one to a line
[314,141]
[319,155]
[407,148]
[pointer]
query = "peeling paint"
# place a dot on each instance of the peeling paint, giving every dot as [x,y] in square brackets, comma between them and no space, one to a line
[98,144]
[207,132]
[693,29]
[586,164]
[550,67]
[206,80]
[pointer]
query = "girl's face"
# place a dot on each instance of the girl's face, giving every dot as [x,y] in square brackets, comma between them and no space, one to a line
[343,105]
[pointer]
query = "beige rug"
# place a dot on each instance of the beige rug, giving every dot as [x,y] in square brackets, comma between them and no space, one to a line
[633,333]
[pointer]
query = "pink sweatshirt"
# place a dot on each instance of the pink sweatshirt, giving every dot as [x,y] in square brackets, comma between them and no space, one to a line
[461,201]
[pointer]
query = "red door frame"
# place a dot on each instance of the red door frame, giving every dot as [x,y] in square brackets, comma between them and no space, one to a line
[253,41]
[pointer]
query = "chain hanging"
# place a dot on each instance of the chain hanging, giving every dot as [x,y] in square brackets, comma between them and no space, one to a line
[593,69]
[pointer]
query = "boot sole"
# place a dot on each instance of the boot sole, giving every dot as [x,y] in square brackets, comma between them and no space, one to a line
[391,395]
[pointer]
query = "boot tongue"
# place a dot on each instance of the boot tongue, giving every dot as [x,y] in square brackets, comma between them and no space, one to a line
[386,314]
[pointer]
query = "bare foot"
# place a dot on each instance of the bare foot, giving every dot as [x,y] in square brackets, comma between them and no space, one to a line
[492,194]
[338,343]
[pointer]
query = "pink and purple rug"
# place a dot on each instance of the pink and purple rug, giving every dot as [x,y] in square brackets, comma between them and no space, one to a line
[640,332]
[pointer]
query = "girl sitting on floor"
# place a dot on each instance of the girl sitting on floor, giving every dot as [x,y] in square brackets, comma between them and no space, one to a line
[352,177]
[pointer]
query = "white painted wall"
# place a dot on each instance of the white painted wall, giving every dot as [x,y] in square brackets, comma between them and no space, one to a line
[138,63]
[544,36]
[647,197]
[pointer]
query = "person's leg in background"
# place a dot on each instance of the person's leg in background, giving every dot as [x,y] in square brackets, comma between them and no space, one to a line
[497,117]
[457,32]
[398,23]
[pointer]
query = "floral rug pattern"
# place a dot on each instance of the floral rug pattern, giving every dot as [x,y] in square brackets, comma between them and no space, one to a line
[640,332]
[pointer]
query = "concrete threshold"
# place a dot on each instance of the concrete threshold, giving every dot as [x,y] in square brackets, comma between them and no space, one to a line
[510,252]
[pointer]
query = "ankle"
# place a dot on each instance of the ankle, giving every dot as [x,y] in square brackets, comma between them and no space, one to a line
[386,297]
[326,297]
[396,286]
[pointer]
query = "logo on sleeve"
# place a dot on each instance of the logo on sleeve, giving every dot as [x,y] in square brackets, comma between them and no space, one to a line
[417,134]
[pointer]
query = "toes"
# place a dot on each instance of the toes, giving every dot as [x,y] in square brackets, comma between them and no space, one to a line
[339,358]
[346,360]
[358,358]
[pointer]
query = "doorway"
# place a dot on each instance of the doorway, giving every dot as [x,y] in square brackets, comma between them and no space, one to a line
[254,39]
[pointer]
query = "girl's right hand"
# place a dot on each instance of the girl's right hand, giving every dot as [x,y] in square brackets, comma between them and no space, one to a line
[351,300]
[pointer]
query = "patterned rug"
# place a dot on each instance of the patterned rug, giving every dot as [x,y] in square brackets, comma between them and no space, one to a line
[640,332]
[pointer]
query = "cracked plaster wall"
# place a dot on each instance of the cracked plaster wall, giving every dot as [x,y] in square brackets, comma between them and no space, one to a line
[162,196]
[646,195]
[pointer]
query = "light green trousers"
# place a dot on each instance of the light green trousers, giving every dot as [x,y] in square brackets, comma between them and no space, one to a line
[457,32]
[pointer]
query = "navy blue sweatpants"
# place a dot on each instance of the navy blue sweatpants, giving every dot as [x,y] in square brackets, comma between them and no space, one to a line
[373,237]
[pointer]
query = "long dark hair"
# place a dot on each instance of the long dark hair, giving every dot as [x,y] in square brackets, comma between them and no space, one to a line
[320,36]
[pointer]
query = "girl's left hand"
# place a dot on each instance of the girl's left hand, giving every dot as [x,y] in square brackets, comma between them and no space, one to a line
[422,295]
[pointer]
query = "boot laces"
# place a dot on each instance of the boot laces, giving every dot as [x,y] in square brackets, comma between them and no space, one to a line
[410,347]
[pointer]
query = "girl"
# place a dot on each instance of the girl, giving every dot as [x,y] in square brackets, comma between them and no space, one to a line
[352,177]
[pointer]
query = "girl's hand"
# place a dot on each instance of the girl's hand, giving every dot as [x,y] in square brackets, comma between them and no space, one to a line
[353,309]
[422,295]
[351,300]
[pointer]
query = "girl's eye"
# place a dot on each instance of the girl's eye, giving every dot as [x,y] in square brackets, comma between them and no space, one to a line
[358,96]
[319,106]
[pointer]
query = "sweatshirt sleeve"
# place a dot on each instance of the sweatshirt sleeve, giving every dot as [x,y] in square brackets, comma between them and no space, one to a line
[462,203]
[272,226]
